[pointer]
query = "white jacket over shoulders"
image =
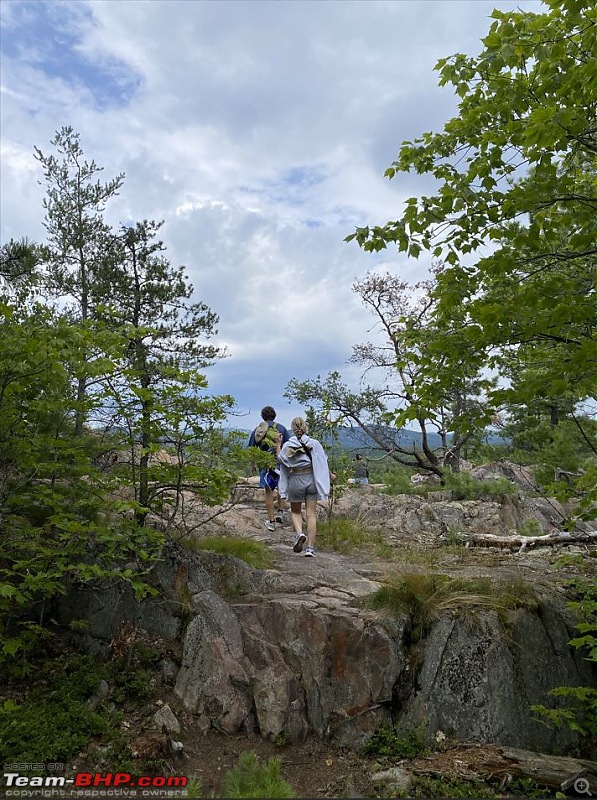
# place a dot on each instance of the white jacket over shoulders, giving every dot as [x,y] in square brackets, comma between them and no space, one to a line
[293,455]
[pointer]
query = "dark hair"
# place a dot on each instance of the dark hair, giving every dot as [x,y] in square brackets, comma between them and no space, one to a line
[358,457]
[268,413]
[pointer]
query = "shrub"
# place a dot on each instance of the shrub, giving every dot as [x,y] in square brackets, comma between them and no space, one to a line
[55,720]
[387,742]
[466,487]
[250,778]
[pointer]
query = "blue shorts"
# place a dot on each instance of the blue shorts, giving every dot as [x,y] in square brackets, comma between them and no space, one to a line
[262,473]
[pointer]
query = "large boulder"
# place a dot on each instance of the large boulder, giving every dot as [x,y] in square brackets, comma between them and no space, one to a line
[480,677]
[316,662]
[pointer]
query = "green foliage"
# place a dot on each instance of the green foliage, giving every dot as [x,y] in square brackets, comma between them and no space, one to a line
[431,787]
[158,396]
[426,786]
[251,778]
[55,720]
[464,486]
[388,743]
[126,349]
[395,477]
[254,553]
[582,715]
[54,502]
[517,593]
[193,788]
[345,535]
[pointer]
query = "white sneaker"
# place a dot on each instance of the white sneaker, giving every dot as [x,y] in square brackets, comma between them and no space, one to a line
[299,541]
[270,524]
[280,517]
[310,551]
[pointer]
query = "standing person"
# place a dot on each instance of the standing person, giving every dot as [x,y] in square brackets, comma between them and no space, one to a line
[269,436]
[304,478]
[360,471]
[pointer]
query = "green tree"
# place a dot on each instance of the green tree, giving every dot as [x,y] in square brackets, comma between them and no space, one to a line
[158,394]
[54,505]
[516,167]
[404,314]
[78,237]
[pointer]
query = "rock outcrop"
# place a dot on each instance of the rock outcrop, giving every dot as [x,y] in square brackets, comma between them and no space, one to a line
[295,652]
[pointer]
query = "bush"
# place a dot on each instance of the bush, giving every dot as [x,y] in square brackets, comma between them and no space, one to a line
[387,742]
[465,487]
[55,720]
[250,778]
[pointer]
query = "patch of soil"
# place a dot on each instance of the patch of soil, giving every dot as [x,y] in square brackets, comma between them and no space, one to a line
[313,769]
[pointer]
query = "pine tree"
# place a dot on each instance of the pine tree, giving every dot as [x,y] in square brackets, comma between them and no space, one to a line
[78,237]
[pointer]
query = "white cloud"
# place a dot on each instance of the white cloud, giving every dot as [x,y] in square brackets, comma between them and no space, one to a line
[258,131]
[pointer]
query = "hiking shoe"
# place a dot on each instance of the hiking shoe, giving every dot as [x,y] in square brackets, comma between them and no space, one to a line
[270,524]
[299,541]
[280,517]
[310,551]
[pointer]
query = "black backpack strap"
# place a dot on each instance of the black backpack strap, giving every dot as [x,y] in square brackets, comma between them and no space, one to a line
[307,451]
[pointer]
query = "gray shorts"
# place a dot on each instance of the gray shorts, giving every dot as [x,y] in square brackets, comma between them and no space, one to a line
[301,486]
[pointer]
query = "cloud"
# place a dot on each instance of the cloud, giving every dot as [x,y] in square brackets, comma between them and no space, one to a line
[258,131]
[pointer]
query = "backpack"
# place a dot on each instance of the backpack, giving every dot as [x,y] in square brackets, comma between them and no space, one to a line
[266,436]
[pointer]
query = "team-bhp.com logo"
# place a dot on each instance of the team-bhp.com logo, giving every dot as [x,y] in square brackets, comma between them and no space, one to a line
[16,785]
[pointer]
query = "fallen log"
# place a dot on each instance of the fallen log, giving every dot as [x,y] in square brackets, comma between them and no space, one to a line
[516,540]
[556,772]
[474,761]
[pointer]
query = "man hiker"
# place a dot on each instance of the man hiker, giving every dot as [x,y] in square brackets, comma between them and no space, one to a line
[360,471]
[269,436]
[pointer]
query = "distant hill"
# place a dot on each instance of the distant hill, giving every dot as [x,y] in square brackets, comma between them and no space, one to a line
[356,439]
[353,438]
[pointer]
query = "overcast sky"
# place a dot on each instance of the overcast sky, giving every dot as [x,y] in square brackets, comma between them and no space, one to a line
[259,132]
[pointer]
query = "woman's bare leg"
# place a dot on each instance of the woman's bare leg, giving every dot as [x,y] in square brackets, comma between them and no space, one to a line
[311,505]
[297,517]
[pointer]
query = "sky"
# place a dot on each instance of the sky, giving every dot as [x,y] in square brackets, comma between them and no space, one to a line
[259,131]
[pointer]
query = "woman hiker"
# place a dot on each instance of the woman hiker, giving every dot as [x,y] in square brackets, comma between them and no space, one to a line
[304,478]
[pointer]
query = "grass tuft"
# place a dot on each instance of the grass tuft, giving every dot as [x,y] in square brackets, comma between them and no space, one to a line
[253,553]
[346,535]
[425,598]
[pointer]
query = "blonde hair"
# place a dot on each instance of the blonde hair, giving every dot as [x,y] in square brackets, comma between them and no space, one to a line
[299,426]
